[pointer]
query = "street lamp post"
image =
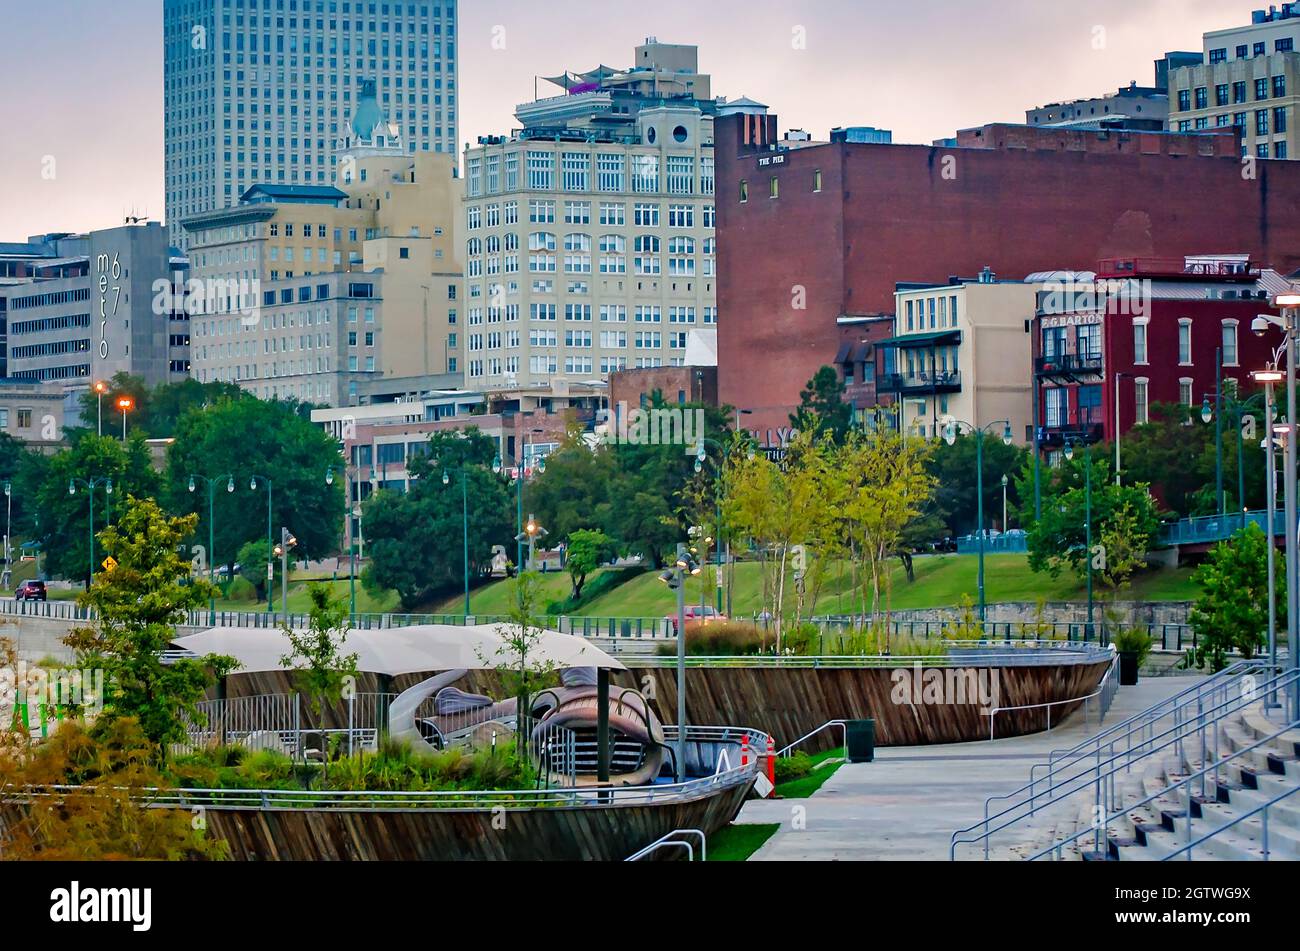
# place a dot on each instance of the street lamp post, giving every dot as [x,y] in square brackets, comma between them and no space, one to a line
[464,524]
[124,405]
[91,484]
[352,544]
[1118,377]
[287,541]
[9,514]
[675,578]
[1087,519]
[270,541]
[950,437]
[211,483]
[1270,376]
[1004,503]
[100,389]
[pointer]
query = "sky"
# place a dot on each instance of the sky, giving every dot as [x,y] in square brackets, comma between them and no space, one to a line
[84,143]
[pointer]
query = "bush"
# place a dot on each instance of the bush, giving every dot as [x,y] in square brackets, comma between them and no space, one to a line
[721,639]
[1133,640]
[793,767]
[241,589]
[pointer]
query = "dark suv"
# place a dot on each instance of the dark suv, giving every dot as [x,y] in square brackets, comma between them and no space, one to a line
[31,591]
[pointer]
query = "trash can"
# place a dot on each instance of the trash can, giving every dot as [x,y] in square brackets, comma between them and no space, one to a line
[860,740]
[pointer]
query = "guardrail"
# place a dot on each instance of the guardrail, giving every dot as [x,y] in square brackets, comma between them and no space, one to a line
[1212,528]
[961,654]
[671,840]
[586,796]
[1104,694]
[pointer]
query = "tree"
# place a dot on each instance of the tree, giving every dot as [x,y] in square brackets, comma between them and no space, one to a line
[415,540]
[955,493]
[108,773]
[253,559]
[232,442]
[138,605]
[1232,610]
[516,658]
[822,410]
[155,412]
[889,486]
[1124,546]
[320,668]
[64,517]
[584,551]
[1057,540]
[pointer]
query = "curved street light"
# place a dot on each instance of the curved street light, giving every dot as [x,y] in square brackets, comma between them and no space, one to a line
[91,484]
[950,436]
[211,482]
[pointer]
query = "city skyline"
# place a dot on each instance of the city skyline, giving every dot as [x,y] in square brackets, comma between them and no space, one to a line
[109,163]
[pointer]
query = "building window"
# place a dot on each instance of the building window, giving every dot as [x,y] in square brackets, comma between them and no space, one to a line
[817,179]
[1184,100]
[1139,342]
[1229,343]
[773,187]
[1140,406]
[1184,342]
[1185,391]
[1202,97]
[744,190]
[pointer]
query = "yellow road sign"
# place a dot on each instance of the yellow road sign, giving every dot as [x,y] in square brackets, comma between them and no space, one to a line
[109,563]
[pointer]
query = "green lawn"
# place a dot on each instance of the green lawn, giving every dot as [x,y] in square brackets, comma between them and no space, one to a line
[736,843]
[805,786]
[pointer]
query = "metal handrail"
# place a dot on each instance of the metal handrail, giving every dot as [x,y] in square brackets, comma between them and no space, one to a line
[1102,686]
[1087,746]
[967,654]
[1095,773]
[1185,781]
[441,799]
[667,841]
[1263,807]
[844,736]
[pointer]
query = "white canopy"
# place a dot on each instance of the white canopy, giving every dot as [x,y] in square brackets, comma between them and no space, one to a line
[405,650]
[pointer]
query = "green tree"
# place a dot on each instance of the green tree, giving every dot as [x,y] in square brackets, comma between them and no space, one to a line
[138,605]
[1057,540]
[64,529]
[955,493]
[253,558]
[244,438]
[822,410]
[1232,610]
[584,551]
[516,659]
[414,540]
[320,668]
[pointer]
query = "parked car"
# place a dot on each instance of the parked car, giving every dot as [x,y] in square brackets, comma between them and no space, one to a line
[694,612]
[31,590]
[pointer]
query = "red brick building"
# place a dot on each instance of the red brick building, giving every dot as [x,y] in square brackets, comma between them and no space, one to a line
[809,233]
[1151,331]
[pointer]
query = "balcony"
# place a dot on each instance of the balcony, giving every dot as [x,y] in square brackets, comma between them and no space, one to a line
[1071,367]
[921,383]
[1055,437]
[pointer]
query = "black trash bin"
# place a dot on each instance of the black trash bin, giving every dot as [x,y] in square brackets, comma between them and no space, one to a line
[860,740]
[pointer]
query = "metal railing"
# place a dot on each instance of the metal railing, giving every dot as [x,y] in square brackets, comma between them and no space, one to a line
[960,654]
[671,840]
[584,796]
[1100,830]
[1166,636]
[1107,760]
[829,724]
[1212,528]
[1262,808]
[1103,696]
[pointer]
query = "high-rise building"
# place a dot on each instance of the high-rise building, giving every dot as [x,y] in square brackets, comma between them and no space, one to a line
[1249,80]
[258,91]
[589,244]
[339,294]
[75,308]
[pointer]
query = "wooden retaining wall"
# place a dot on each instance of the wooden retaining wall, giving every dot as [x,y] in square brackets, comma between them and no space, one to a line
[791,702]
[572,834]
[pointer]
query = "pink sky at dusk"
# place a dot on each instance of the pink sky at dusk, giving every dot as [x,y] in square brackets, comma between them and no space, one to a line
[89,91]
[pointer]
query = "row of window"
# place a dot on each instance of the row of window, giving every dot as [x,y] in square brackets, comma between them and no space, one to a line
[544,364]
[1249,51]
[1239,119]
[582,313]
[774,185]
[610,213]
[1199,98]
[545,170]
[579,339]
[1227,342]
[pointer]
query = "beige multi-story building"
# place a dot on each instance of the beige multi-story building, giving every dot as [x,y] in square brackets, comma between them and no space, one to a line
[1249,81]
[961,351]
[589,233]
[322,293]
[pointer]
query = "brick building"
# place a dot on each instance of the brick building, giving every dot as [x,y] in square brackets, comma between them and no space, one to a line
[1146,331]
[812,232]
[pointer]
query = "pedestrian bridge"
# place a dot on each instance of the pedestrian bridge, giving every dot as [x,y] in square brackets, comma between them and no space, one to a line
[1203,530]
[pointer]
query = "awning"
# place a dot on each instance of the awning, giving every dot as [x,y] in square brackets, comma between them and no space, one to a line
[933,339]
[843,355]
[404,650]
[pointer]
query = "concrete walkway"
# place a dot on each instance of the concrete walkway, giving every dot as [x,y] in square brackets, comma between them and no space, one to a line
[907,803]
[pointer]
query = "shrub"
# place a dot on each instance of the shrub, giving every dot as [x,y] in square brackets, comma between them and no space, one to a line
[721,639]
[793,767]
[603,583]
[1133,640]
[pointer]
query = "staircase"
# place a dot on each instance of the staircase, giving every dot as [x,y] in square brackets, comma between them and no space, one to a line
[1208,774]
